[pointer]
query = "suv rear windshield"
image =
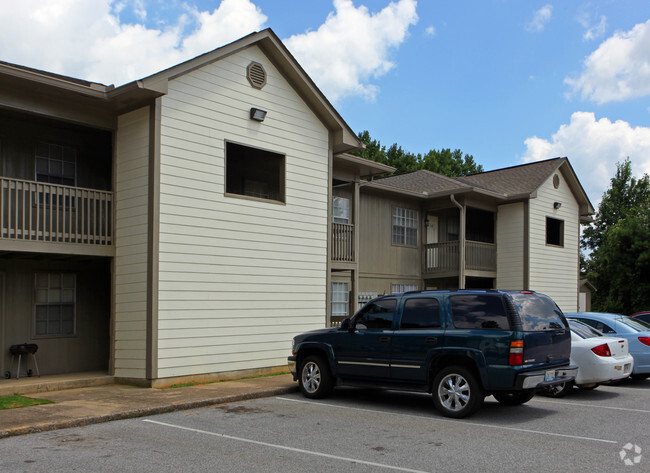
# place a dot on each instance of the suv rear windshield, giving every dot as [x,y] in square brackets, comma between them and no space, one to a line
[538,312]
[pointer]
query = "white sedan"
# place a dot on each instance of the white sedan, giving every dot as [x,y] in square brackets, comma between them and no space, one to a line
[599,359]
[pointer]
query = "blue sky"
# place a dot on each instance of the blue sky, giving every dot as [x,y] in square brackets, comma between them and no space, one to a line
[508,81]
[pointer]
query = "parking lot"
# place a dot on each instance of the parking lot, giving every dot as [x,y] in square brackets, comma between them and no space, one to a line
[359,431]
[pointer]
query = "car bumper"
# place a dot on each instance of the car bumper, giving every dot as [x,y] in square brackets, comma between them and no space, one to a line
[605,369]
[291,361]
[541,378]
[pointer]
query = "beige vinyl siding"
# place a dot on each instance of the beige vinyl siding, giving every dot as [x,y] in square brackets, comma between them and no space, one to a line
[131,229]
[238,277]
[510,246]
[554,270]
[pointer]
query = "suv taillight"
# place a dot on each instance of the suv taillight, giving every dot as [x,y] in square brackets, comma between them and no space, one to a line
[516,355]
[645,340]
[602,350]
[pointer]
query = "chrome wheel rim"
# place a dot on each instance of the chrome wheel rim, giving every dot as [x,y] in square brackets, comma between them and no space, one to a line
[311,377]
[454,392]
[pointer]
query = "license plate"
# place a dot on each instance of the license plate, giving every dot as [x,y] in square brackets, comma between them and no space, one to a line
[549,375]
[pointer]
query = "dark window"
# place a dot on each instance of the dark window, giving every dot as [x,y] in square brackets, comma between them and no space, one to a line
[405,227]
[480,225]
[376,315]
[54,310]
[421,314]
[538,312]
[554,231]
[254,172]
[56,164]
[474,311]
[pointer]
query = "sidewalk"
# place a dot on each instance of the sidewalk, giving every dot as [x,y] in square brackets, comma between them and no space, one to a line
[93,405]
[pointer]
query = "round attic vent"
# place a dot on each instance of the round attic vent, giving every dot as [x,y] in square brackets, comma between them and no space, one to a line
[556,181]
[256,75]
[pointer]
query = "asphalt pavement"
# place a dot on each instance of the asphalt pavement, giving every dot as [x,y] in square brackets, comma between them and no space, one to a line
[96,404]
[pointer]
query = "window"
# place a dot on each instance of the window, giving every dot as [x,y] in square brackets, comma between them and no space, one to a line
[56,164]
[341,210]
[54,311]
[420,314]
[399,288]
[554,231]
[340,298]
[254,172]
[538,312]
[405,230]
[376,316]
[479,312]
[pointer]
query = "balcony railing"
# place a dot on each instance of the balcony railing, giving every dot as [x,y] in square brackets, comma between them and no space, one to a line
[443,257]
[343,242]
[42,212]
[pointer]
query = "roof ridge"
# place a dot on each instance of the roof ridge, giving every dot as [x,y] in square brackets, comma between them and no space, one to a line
[517,166]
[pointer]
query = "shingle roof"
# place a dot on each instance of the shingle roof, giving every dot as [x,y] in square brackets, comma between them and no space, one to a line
[423,182]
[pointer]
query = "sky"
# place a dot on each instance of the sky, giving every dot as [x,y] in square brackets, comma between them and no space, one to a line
[506,81]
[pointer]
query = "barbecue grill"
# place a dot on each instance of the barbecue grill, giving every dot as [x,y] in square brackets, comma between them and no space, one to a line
[20,350]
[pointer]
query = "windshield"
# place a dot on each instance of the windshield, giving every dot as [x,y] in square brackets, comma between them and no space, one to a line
[638,325]
[538,312]
[583,330]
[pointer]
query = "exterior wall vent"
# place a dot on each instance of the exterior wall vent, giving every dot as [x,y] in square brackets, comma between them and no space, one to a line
[256,75]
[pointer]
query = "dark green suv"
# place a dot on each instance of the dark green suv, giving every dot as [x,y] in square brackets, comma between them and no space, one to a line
[458,345]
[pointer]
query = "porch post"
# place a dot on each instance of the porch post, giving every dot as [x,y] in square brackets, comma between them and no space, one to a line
[461,243]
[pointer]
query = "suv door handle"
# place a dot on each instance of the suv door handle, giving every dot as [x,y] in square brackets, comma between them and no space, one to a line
[431,340]
[384,339]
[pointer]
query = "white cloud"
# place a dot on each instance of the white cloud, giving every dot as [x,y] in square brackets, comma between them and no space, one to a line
[540,19]
[594,31]
[618,70]
[430,31]
[353,46]
[594,148]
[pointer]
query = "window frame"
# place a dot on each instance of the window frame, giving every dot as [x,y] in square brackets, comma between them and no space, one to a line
[59,303]
[341,219]
[281,174]
[334,301]
[406,218]
[53,178]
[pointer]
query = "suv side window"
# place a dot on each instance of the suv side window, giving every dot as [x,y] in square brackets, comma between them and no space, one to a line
[478,311]
[376,315]
[420,313]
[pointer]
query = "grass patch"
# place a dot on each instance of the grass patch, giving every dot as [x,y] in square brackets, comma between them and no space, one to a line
[185,385]
[12,402]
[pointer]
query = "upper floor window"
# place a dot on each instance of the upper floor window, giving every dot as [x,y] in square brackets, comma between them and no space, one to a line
[255,172]
[56,164]
[54,310]
[554,231]
[341,210]
[405,229]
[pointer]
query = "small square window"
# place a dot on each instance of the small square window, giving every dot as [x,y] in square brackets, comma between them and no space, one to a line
[255,172]
[554,232]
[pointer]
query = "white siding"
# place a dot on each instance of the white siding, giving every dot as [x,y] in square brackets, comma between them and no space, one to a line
[510,246]
[554,270]
[131,202]
[238,277]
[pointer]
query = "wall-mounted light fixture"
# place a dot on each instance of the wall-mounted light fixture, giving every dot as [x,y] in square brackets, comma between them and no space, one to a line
[426,222]
[557,205]
[257,114]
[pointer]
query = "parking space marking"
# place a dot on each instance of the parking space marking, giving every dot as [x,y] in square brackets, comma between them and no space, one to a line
[282,447]
[459,422]
[594,406]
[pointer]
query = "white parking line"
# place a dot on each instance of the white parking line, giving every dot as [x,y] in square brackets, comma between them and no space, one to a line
[593,406]
[513,429]
[282,447]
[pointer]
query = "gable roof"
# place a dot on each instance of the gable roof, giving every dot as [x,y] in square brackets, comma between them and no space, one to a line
[506,184]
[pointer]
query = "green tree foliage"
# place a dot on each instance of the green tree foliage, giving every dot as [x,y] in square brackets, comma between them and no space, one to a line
[619,242]
[445,161]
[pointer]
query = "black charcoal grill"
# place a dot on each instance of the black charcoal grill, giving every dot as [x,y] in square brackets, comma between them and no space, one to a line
[20,350]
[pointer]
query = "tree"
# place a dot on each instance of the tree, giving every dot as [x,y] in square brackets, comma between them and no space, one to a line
[446,162]
[619,242]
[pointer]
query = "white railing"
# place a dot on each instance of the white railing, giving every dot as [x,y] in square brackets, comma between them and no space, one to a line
[43,212]
[444,257]
[343,242]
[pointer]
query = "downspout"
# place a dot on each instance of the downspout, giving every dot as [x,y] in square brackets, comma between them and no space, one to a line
[461,243]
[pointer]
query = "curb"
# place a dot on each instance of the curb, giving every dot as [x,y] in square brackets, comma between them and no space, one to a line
[135,413]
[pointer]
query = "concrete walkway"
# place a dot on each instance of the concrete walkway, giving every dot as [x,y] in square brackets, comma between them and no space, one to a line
[95,404]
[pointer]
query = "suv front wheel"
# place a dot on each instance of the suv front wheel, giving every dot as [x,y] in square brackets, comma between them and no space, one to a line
[456,392]
[315,379]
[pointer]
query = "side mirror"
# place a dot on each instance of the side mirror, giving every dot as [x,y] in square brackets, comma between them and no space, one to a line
[346,324]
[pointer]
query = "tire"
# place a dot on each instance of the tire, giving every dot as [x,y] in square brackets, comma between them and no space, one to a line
[456,392]
[587,387]
[514,398]
[640,376]
[315,379]
[558,390]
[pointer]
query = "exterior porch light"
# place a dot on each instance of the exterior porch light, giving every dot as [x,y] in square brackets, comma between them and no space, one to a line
[257,114]
[426,222]
[557,205]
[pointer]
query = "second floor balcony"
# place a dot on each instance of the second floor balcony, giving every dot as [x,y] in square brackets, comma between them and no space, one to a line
[38,212]
[343,250]
[444,257]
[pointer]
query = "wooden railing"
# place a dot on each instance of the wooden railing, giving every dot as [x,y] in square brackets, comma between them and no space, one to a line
[343,242]
[42,212]
[443,257]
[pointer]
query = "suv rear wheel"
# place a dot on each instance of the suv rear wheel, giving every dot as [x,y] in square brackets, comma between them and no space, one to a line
[456,392]
[315,379]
